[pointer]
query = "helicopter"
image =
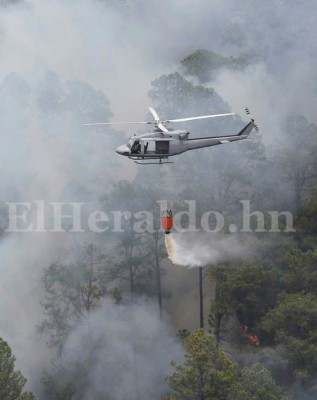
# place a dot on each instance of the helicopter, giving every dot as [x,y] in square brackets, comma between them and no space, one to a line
[162,143]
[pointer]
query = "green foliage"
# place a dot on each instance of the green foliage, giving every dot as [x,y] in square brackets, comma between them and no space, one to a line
[116,295]
[207,372]
[182,334]
[301,272]
[294,324]
[11,381]
[307,215]
[256,383]
[246,290]
[202,63]
[174,93]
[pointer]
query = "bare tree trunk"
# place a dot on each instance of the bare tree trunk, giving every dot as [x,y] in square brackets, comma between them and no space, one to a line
[158,274]
[201,298]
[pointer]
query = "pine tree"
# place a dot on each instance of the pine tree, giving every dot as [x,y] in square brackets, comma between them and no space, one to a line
[12,381]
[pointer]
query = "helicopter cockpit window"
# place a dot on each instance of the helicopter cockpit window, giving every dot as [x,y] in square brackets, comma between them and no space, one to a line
[136,147]
[130,143]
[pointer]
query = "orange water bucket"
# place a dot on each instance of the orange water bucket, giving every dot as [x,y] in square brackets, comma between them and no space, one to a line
[167,221]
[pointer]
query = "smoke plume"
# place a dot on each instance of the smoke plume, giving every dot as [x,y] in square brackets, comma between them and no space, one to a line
[125,350]
[199,250]
[66,63]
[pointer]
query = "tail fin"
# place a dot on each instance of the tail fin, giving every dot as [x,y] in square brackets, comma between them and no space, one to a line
[247,129]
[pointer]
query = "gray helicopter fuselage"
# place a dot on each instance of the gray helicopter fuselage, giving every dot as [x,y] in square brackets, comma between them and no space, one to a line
[162,142]
[162,145]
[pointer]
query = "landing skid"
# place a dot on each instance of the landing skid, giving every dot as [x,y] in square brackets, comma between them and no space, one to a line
[153,163]
[144,160]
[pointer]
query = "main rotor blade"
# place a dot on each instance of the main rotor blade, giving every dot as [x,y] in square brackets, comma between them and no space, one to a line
[118,123]
[154,113]
[162,127]
[201,117]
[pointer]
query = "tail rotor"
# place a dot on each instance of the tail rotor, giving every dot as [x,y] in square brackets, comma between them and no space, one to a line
[247,111]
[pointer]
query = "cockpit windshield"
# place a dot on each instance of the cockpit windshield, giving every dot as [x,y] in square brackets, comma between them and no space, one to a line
[130,143]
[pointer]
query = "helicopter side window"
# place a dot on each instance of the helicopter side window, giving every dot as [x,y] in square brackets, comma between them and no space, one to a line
[149,147]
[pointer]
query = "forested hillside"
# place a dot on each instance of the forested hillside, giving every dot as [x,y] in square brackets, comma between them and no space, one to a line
[103,313]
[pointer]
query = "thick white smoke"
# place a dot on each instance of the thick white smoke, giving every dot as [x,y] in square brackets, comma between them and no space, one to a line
[118,48]
[202,249]
[126,351]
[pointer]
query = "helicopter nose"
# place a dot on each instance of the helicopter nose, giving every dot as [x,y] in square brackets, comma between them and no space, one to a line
[123,150]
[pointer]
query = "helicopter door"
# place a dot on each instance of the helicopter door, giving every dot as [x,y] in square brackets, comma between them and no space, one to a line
[149,146]
[162,146]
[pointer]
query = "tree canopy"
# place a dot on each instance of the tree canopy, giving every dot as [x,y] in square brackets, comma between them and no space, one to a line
[208,373]
[12,382]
